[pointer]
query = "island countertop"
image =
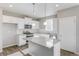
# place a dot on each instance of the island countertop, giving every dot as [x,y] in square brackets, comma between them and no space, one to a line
[42,41]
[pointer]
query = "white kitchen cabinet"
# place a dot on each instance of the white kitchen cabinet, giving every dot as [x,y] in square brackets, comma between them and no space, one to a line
[20,25]
[69,33]
[20,21]
[35,25]
[21,40]
[11,19]
[50,25]
[28,19]
[20,28]
[55,25]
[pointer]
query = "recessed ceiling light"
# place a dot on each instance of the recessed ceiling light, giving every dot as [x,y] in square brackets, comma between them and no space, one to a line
[10,5]
[57,5]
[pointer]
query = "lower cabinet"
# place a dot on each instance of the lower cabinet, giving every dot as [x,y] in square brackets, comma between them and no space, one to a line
[21,40]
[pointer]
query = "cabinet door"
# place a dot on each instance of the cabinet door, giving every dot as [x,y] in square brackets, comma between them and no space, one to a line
[67,33]
[55,25]
[22,40]
[35,25]
[11,19]
[49,25]
[21,25]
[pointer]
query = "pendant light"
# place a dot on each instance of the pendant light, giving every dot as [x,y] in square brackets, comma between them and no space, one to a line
[33,9]
[33,12]
[45,7]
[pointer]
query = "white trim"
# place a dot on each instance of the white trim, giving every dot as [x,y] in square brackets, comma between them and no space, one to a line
[9,45]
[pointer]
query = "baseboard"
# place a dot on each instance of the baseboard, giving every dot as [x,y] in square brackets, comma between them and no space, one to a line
[9,45]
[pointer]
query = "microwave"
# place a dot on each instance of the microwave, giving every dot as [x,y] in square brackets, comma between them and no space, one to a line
[26,26]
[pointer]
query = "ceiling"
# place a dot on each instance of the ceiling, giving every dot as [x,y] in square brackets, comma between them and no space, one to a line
[39,8]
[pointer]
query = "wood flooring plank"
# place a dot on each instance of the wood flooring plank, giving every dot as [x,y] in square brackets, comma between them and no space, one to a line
[14,49]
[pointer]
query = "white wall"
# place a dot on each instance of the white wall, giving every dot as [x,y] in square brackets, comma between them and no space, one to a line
[73,11]
[77,33]
[9,34]
[0,30]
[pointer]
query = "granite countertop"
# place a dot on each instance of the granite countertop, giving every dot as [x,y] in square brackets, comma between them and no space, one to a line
[42,41]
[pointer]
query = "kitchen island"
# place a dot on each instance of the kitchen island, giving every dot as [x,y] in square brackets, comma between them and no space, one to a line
[40,46]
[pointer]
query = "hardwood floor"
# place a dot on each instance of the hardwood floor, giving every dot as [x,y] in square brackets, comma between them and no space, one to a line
[10,50]
[67,53]
[1,54]
[14,49]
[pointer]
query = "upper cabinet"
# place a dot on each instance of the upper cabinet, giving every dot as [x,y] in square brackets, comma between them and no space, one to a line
[35,24]
[55,25]
[21,22]
[50,25]
[11,19]
[29,21]
[20,25]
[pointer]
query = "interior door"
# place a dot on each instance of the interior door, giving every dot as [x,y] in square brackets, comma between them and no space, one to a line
[67,33]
